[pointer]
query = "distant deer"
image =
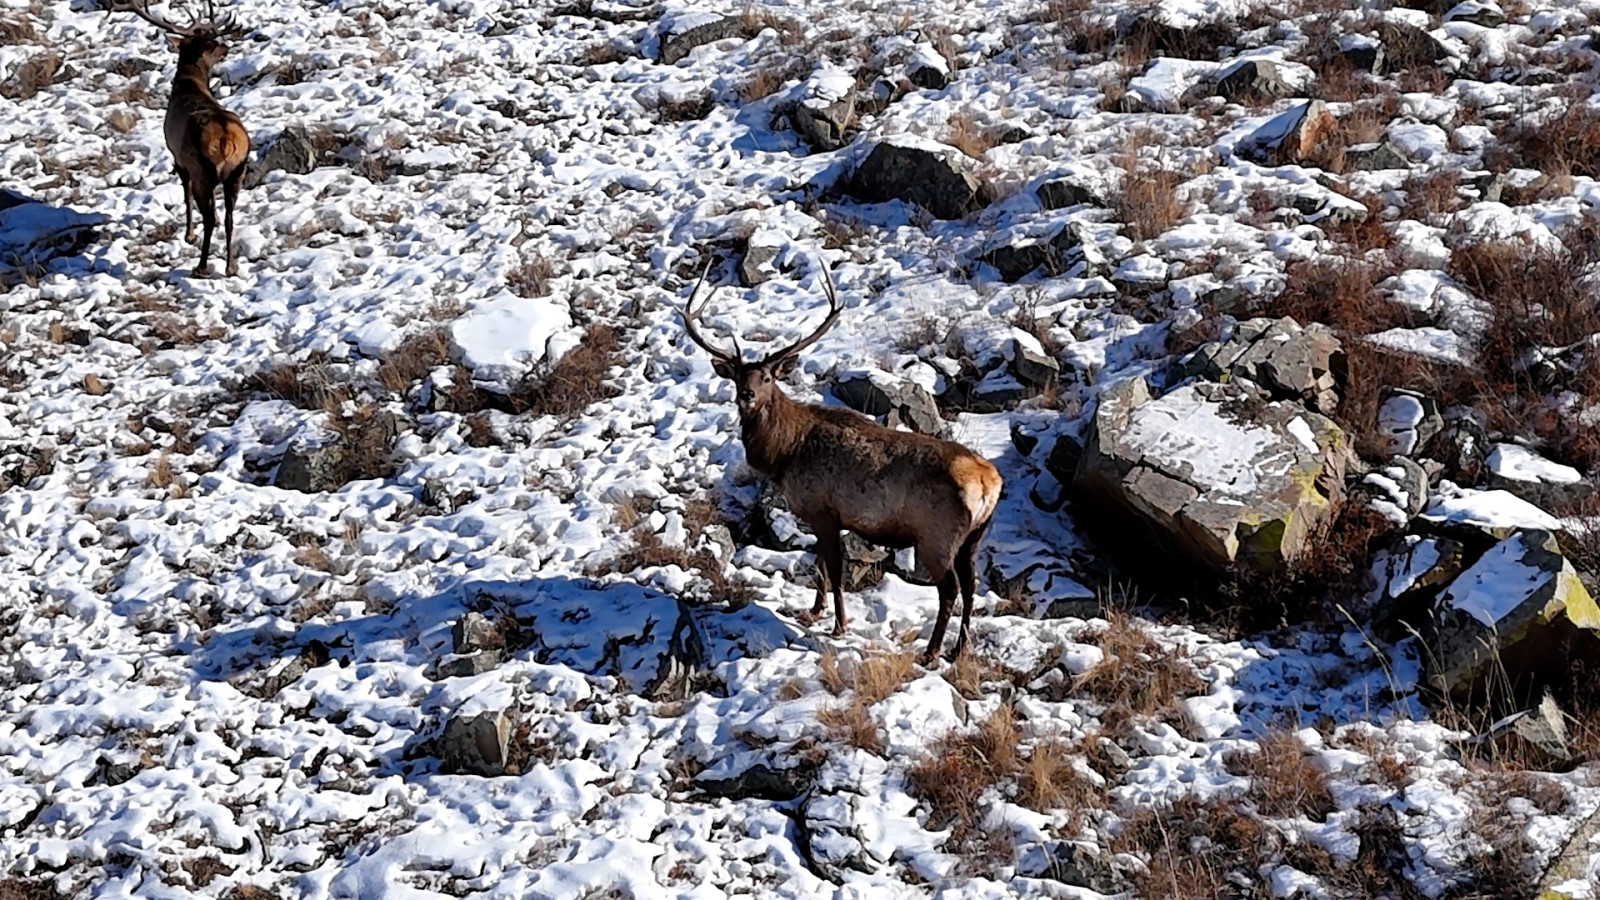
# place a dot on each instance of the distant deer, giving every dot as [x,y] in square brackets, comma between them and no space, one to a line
[209,144]
[839,469]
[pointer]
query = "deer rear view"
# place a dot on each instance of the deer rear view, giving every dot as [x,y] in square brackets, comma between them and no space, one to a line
[209,144]
[839,469]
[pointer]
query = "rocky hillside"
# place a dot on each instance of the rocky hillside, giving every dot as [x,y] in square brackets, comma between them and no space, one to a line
[421,557]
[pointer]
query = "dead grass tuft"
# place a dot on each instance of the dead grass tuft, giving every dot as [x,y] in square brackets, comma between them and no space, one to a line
[1339,293]
[1284,782]
[965,133]
[310,383]
[1137,676]
[14,30]
[414,359]
[1567,144]
[648,551]
[531,276]
[205,869]
[1049,780]
[575,382]
[1147,199]
[32,76]
[765,80]
[1431,196]
[1197,849]
[852,724]
[29,889]
[366,441]
[959,769]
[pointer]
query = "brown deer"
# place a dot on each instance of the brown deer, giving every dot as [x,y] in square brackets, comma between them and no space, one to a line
[840,469]
[209,144]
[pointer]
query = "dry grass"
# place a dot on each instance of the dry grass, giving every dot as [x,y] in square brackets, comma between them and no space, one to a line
[205,869]
[765,80]
[959,769]
[965,133]
[1567,144]
[1431,196]
[1049,780]
[14,30]
[872,676]
[366,438]
[852,724]
[1147,199]
[1137,676]
[1283,780]
[647,552]
[29,889]
[1339,293]
[1196,849]
[32,76]
[414,359]
[311,383]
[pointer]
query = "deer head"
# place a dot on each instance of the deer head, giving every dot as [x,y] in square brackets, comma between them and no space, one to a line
[201,40]
[755,383]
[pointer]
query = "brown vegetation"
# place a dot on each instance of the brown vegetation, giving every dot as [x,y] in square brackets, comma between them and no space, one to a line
[1137,676]
[1564,144]
[1283,780]
[32,76]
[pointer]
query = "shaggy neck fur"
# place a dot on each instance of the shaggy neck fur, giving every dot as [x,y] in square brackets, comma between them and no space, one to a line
[773,434]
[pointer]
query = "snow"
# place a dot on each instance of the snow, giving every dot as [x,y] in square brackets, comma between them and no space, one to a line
[1517,463]
[1490,509]
[1499,582]
[162,602]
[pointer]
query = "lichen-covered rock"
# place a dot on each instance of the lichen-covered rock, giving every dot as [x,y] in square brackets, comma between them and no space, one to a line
[929,174]
[1507,613]
[1216,478]
[1300,136]
[1291,362]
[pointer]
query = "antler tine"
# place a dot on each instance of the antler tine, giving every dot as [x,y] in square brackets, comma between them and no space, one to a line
[141,8]
[834,309]
[691,315]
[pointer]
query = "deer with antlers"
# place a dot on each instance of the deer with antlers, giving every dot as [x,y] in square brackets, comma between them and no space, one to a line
[209,144]
[839,469]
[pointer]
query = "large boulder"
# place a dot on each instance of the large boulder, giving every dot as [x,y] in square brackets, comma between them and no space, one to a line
[1305,134]
[929,174]
[1016,258]
[891,400]
[1508,615]
[1521,471]
[1213,474]
[1258,80]
[477,744]
[1291,362]
[293,151]
[681,33]
[1406,578]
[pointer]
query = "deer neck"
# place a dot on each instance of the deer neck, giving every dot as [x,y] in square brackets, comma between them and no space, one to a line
[773,434]
[194,76]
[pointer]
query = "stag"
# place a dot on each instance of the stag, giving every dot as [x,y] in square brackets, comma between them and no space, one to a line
[209,144]
[839,469]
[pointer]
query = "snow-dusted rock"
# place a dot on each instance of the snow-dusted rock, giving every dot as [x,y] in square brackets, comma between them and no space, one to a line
[1406,577]
[504,338]
[1254,79]
[1407,421]
[476,744]
[927,68]
[1016,258]
[1364,53]
[1060,193]
[292,151]
[1462,446]
[1507,611]
[32,234]
[1478,12]
[1498,514]
[931,175]
[892,400]
[1290,361]
[826,107]
[1517,469]
[1216,483]
[681,32]
[1374,157]
[1296,136]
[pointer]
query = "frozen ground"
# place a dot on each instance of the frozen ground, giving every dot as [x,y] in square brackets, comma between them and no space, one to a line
[155,586]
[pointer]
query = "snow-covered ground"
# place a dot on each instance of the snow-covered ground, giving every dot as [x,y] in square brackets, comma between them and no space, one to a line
[159,595]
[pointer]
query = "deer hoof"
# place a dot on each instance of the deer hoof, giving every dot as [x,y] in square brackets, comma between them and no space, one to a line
[806,617]
[838,628]
[233,269]
[189,236]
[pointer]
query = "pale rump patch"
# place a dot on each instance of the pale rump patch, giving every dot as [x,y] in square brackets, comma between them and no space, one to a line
[980,486]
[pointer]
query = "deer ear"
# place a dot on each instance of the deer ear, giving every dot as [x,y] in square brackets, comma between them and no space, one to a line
[174,40]
[723,368]
[785,367]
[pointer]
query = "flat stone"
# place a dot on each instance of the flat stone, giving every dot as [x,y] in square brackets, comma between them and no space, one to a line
[932,176]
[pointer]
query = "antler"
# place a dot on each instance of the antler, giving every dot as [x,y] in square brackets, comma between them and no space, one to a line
[834,308]
[211,24]
[691,316]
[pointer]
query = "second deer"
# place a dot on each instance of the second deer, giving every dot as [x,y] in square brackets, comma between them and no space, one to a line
[839,469]
[209,144]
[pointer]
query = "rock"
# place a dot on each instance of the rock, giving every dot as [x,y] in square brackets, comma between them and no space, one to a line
[312,469]
[892,401]
[1056,253]
[292,151]
[1374,157]
[32,234]
[931,175]
[1477,12]
[1063,459]
[1030,364]
[1506,615]
[1214,479]
[1405,580]
[1364,54]
[1077,864]
[759,782]
[1543,727]
[1291,362]
[111,773]
[1533,478]
[1298,136]
[864,562]
[826,109]
[927,68]
[476,745]
[1060,193]
[1401,487]
[1406,46]
[1407,421]
[467,665]
[1489,185]
[833,837]
[756,265]
[1487,514]
[1462,446]
[473,632]
[1254,79]
[93,386]
[683,32]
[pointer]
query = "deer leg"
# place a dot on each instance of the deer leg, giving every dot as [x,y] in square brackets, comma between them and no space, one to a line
[188,204]
[836,579]
[230,195]
[207,199]
[947,602]
[967,577]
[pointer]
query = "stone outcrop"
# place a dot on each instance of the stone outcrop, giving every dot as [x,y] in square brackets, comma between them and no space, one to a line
[928,174]
[1212,475]
[682,33]
[892,401]
[1288,361]
[826,109]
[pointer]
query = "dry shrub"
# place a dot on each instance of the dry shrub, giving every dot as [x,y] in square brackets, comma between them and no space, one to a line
[1432,195]
[416,356]
[852,724]
[1368,121]
[1149,37]
[204,869]
[1048,780]
[1365,236]
[754,20]
[1372,373]
[959,768]
[309,384]
[1198,849]
[576,381]
[531,276]
[602,54]
[366,442]
[29,889]
[969,672]
[649,552]
[1283,780]
[1567,144]
[1137,676]
[32,76]
[1339,293]
[15,30]
[250,892]
[766,79]
[965,133]
[692,108]
[1147,199]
